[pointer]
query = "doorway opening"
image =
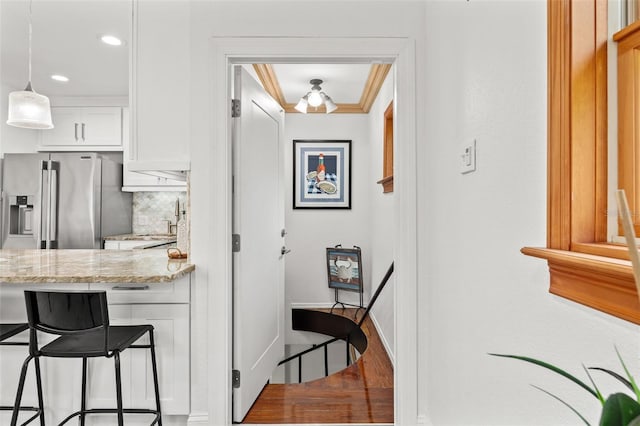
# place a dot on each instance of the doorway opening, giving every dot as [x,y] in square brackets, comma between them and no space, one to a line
[303,227]
[233,51]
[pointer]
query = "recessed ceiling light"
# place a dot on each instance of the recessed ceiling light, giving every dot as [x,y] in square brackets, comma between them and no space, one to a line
[111,40]
[58,77]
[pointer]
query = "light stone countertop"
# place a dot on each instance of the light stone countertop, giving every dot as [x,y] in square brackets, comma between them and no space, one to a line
[90,266]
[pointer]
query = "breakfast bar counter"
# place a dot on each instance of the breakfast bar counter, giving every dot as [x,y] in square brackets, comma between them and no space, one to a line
[142,287]
[90,266]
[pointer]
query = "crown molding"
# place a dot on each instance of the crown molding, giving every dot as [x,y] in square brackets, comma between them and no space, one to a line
[376,78]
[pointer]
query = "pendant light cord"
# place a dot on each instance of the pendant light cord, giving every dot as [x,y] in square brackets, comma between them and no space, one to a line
[30,37]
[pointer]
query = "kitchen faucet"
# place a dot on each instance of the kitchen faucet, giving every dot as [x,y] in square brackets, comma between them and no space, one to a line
[172,228]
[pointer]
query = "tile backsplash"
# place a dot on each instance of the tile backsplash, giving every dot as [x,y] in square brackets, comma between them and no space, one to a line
[151,210]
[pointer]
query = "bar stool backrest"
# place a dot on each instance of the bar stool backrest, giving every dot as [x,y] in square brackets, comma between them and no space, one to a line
[66,312]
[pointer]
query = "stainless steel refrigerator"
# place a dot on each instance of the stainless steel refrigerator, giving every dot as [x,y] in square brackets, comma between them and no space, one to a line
[65,201]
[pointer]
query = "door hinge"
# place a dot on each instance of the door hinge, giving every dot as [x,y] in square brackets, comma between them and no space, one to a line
[235,378]
[235,108]
[235,243]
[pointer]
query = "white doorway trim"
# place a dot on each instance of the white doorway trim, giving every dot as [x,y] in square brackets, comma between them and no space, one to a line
[225,51]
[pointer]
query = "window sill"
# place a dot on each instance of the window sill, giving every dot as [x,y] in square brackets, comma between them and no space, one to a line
[387,184]
[601,282]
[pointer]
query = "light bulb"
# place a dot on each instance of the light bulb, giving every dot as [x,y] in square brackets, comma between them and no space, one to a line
[315,100]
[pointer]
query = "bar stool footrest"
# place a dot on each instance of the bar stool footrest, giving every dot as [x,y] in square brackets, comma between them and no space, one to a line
[22,408]
[114,411]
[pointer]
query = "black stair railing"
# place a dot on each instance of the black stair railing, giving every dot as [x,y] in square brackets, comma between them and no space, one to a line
[346,336]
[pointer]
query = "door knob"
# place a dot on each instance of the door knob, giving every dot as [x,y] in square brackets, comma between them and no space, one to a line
[284,250]
[283,232]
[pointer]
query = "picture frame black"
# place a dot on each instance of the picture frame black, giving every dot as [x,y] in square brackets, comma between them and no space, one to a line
[311,188]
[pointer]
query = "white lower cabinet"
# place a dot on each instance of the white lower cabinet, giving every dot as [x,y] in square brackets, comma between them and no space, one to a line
[124,244]
[129,304]
[171,335]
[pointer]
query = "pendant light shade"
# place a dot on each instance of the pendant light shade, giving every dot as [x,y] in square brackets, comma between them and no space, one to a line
[27,108]
[302,104]
[315,98]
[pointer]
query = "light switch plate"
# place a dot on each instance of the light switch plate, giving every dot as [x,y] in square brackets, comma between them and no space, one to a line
[468,158]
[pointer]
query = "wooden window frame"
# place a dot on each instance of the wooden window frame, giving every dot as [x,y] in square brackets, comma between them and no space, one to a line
[628,41]
[387,153]
[583,267]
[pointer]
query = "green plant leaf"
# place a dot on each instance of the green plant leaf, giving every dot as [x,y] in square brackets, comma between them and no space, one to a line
[595,387]
[629,376]
[616,375]
[565,403]
[552,368]
[619,410]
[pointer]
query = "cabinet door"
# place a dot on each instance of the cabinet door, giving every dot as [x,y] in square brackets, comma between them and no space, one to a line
[171,334]
[66,130]
[134,181]
[101,126]
[161,84]
[83,128]
[111,245]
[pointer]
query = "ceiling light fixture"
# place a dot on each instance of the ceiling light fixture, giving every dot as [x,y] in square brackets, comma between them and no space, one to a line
[315,98]
[27,108]
[58,77]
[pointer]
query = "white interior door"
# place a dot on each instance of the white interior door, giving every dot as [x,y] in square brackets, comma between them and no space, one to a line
[258,219]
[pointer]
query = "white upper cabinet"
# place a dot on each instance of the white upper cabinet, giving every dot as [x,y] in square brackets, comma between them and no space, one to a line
[160,87]
[84,128]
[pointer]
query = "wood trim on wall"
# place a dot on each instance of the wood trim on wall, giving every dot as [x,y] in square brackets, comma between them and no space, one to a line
[376,78]
[628,106]
[387,154]
[583,267]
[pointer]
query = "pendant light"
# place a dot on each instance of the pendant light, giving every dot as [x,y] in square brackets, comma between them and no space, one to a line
[28,109]
[315,98]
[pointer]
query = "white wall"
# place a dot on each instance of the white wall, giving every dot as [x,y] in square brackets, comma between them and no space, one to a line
[311,231]
[486,79]
[381,210]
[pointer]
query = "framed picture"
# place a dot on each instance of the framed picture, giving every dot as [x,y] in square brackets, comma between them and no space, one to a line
[321,174]
[344,269]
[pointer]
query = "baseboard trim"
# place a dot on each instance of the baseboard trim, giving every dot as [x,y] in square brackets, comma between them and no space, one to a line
[311,305]
[198,419]
[383,338]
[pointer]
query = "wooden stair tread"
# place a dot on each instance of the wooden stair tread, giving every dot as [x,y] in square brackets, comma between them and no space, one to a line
[360,393]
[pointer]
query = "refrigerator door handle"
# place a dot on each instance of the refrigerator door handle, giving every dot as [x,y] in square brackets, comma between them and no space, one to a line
[53,204]
[83,139]
[44,203]
[75,132]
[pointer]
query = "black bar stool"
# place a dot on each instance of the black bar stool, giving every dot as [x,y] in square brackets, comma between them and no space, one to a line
[7,331]
[81,320]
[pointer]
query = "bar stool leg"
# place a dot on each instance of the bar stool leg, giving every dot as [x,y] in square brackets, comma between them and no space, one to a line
[16,406]
[155,376]
[39,386]
[83,402]
[116,357]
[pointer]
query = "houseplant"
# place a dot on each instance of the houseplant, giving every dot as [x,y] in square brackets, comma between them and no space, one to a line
[618,409]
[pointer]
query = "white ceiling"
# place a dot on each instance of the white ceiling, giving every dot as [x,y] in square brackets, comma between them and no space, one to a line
[65,41]
[342,82]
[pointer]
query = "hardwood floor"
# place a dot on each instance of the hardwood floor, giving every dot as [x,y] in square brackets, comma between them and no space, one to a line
[361,393]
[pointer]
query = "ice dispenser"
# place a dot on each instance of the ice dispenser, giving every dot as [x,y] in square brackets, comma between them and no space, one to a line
[21,214]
